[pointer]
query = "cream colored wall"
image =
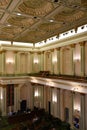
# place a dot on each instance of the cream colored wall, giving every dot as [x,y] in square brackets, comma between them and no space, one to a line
[66,60]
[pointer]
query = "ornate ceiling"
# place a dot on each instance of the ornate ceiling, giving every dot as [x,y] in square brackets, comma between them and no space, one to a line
[36,20]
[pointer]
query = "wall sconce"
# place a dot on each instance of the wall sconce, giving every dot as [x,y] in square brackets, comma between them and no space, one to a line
[1,96]
[54,98]
[35,61]
[77,107]
[36,94]
[55,60]
[77,58]
[9,61]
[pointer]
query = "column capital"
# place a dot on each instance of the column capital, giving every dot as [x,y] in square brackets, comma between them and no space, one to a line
[42,52]
[15,52]
[3,50]
[0,52]
[72,45]
[31,52]
[38,52]
[58,49]
[47,52]
[51,50]
[82,43]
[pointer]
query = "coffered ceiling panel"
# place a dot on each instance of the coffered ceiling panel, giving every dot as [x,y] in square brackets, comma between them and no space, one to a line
[32,36]
[6,36]
[4,3]
[21,21]
[49,26]
[11,30]
[36,7]
[37,20]
[68,15]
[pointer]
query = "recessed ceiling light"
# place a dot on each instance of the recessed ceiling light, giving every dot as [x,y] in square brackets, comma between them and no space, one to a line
[8,25]
[18,14]
[51,20]
[55,0]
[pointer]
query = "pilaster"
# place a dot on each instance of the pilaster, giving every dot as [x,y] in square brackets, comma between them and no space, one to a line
[3,62]
[52,64]
[72,59]
[82,45]
[58,60]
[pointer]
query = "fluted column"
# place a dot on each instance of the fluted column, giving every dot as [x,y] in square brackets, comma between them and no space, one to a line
[85,111]
[82,119]
[0,62]
[58,103]
[52,64]
[3,62]
[42,61]
[72,59]
[61,61]
[18,97]
[28,63]
[31,96]
[71,109]
[58,60]
[32,61]
[15,99]
[3,101]
[39,61]
[82,45]
[61,104]
[18,63]
[54,102]
[15,56]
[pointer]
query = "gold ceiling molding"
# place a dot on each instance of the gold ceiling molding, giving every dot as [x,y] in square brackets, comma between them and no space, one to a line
[69,17]
[11,30]
[32,35]
[36,7]
[6,36]
[20,21]
[49,26]
[1,14]
[74,2]
[84,2]
[4,3]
